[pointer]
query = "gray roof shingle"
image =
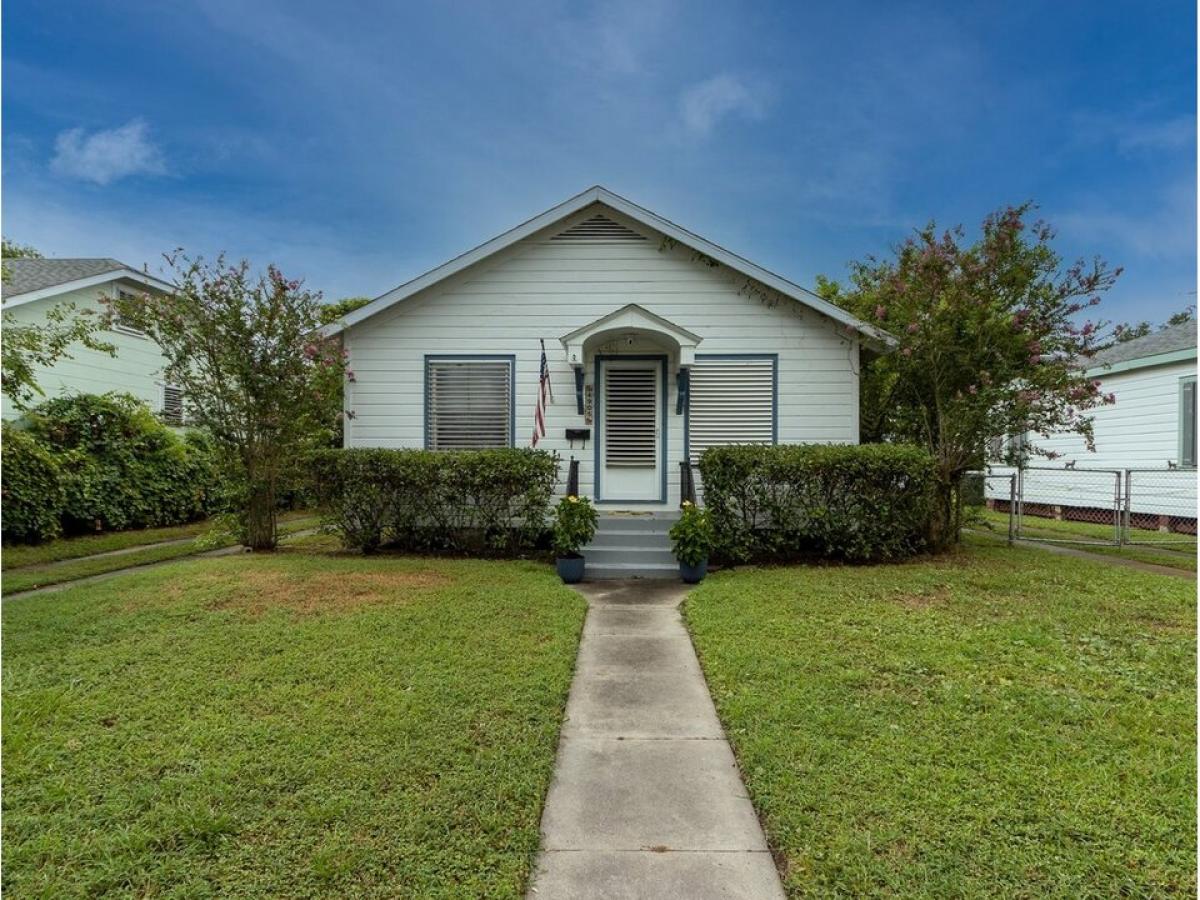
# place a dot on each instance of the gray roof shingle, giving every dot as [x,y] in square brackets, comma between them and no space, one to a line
[27,275]
[1165,340]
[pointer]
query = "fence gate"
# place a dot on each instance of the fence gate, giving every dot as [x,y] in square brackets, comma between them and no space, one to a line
[1069,506]
[989,500]
[1160,506]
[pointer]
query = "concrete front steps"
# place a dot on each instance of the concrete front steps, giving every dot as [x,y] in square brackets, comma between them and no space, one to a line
[631,545]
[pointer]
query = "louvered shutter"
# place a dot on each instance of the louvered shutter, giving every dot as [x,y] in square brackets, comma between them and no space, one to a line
[631,417]
[172,405]
[469,404]
[731,401]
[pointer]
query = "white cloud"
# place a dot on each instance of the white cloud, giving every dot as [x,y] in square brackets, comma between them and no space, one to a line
[705,104]
[107,155]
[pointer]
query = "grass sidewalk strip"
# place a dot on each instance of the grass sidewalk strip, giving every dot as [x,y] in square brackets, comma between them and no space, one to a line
[285,725]
[997,722]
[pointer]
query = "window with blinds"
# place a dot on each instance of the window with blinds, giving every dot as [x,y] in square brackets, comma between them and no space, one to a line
[630,417]
[172,405]
[1187,422]
[731,401]
[468,403]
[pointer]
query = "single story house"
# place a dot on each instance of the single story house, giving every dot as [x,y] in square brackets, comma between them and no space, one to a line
[658,344]
[34,286]
[1146,440]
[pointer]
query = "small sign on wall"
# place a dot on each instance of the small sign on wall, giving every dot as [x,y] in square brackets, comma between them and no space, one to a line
[587,404]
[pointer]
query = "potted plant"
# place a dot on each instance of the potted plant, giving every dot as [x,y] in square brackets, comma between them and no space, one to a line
[691,539]
[574,525]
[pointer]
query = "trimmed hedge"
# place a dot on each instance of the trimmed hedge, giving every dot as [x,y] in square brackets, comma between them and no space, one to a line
[488,502]
[117,467]
[858,503]
[32,491]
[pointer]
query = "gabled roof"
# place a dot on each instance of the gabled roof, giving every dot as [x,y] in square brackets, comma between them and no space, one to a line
[637,213]
[1169,344]
[33,279]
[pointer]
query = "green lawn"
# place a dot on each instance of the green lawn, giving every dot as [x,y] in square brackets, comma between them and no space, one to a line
[1179,554]
[18,555]
[999,722]
[28,577]
[288,725]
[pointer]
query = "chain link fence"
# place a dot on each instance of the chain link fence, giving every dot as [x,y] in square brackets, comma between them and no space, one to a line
[1088,506]
[1160,506]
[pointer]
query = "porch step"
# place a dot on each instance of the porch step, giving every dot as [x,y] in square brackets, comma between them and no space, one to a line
[631,545]
[610,572]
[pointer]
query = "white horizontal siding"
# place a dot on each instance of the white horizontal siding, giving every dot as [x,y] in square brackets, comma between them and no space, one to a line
[1139,431]
[136,369]
[541,289]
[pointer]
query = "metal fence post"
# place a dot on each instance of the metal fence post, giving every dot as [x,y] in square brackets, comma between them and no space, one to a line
[1124,538]
[1012,504]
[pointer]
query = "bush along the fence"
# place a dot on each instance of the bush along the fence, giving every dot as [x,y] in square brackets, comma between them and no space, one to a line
[33,494]
[488,502]
[855,503]
[117,467]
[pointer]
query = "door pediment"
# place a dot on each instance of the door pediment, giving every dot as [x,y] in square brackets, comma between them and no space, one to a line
[631,319]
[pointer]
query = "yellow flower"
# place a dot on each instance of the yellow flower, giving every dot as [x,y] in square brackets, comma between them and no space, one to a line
[687,502]
[572,498]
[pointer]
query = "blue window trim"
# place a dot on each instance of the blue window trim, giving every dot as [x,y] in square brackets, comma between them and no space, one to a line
[665,423]
[1182,442]
[510,358]
[687,410]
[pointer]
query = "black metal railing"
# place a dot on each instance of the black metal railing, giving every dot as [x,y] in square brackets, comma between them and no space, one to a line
[687,483]
[573,478]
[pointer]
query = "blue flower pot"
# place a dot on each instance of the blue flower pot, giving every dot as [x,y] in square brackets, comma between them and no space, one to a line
[570,569]
[693,574]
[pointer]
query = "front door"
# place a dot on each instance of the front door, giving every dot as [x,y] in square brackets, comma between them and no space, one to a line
[631,429]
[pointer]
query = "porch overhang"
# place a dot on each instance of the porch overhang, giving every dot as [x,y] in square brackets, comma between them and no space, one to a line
[630,319]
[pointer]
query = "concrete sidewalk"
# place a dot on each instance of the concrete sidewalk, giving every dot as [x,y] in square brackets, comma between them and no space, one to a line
[646,800]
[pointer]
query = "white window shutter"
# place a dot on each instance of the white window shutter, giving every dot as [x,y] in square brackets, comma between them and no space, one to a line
[172,404]
[469,404]
[731,401]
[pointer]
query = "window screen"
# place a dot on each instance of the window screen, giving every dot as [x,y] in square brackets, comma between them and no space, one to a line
[1187,423]
[731,401]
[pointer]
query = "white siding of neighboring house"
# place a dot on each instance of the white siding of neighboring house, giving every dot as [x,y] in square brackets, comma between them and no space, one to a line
[136,369]
[1140,431]
[542,289]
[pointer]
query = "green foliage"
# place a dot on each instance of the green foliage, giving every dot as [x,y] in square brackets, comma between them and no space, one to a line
[120,467]
[856,503]
[339,309]
[988,343]
[242,348]
[493,502]
[28,346]
[692,536]
[32,488]
[1128,332]
[575,522]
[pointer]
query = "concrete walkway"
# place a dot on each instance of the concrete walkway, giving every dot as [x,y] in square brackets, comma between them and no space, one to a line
[646,800]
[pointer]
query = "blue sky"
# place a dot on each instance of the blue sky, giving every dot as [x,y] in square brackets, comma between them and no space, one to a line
[360,148]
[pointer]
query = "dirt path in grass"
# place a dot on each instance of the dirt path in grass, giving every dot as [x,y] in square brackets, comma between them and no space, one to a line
[1098,557]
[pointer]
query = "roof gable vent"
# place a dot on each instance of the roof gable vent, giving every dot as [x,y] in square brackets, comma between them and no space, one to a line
[598,228]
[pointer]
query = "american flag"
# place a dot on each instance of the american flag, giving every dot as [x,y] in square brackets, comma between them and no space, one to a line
[544,391]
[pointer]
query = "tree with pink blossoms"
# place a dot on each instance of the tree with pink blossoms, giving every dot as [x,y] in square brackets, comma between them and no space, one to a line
[245,351]
[990,342]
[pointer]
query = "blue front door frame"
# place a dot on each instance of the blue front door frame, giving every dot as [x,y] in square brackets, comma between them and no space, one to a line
[664,428]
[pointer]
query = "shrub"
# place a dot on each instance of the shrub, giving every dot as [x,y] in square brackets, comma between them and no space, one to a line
[492,502]
[123,468]
[856,503]
[32,489]
[574,525]
[692,536]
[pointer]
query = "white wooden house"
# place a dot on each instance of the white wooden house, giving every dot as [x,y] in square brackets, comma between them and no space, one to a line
[659,344]
[35,286]
[1145,442]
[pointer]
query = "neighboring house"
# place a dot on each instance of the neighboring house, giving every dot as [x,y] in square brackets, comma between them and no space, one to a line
[1151,428]
[34,286]
[659,344]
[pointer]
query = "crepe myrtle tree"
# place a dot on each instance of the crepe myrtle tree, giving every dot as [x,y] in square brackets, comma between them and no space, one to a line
[253,370]
[990,343]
